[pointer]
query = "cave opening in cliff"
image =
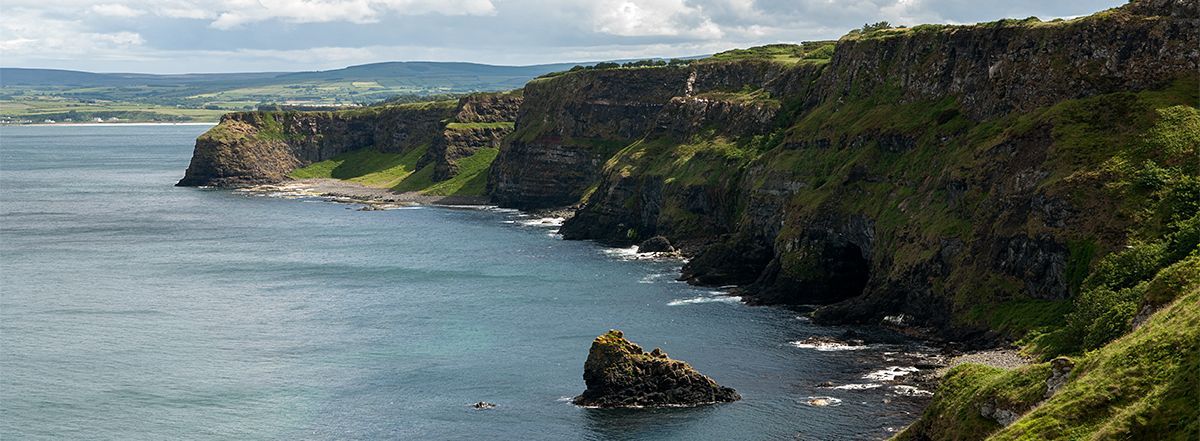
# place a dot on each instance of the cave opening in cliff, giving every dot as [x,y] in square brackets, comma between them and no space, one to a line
[847,272]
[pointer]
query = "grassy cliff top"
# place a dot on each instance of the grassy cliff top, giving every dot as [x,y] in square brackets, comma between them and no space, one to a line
[809,51]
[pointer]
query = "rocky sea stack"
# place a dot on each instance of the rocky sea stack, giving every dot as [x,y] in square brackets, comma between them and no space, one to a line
[618,373]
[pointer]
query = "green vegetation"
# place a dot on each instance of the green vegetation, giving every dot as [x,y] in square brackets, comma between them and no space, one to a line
[37,108]
[470,180]
[674,62]
[399,172]
[1131,381]
[479,125]
[1140,386]
[970,388]
[810,51]
[367,167]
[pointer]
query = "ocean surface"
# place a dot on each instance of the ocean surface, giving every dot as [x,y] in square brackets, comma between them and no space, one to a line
[131,309]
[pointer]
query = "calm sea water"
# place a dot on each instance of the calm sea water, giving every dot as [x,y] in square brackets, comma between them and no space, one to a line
[131,309]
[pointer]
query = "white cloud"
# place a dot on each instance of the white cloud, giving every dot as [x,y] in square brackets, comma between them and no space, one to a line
[116,10]
[30,33]
[654,18]
[235,13]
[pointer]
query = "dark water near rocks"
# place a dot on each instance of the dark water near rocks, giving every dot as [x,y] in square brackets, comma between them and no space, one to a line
[131,309]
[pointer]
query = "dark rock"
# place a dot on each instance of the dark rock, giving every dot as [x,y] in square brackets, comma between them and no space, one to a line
[484,405]
[656,244]
[618,373]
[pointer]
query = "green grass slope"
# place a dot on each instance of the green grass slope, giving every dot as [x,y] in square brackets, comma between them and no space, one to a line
[1144,385]
[399,172]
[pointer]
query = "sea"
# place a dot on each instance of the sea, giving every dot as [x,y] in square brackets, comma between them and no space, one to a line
[131,309]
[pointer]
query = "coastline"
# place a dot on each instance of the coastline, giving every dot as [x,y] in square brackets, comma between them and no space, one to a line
[931,367]
[372,198]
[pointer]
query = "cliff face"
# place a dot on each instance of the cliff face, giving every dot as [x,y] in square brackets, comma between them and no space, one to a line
[933,172]
[251,148]
[569,126]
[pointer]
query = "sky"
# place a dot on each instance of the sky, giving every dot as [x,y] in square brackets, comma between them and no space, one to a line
[180,36]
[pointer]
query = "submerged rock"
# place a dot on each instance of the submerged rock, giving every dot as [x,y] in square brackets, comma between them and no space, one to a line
[483,405]
[656,244]
[618,373]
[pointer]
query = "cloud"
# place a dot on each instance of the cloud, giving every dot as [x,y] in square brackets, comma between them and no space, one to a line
[26,33]
[116,10]
[236,13]
[652,18]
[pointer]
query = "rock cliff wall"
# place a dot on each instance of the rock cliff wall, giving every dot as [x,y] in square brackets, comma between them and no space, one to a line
[922,173]
[251,148]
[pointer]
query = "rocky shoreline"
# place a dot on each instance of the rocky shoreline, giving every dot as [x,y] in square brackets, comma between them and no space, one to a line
[372,198]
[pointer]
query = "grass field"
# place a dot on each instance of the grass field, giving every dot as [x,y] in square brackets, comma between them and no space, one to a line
[39,109]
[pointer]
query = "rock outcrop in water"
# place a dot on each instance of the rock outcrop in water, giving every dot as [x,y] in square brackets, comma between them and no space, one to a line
[618,373]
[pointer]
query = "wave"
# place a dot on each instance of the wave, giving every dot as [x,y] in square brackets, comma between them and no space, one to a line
[542,222]
[825,346]
[629,253]
[858,386]
[705,299]
[910,391]
[890,373]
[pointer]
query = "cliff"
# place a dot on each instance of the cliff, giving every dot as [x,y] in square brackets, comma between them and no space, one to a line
[943,174]
[1020,181]
[252,148]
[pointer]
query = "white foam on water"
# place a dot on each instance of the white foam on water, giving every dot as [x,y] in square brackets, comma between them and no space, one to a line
[910,391]
[543,222]
[822,401]
[890,373]
[623,253]
[705,299]
[858,386]
[825,346]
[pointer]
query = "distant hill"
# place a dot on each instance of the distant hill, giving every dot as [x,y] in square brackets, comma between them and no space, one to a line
[444,76]
[61,95]
[19,76]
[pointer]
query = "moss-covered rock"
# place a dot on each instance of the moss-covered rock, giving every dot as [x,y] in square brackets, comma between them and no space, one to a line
[618,373]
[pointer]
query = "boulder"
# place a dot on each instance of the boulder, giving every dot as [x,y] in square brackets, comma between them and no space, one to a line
[618,373]
[656,244]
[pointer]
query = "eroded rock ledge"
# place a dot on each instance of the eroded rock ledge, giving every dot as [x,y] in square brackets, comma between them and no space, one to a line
[618,373]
